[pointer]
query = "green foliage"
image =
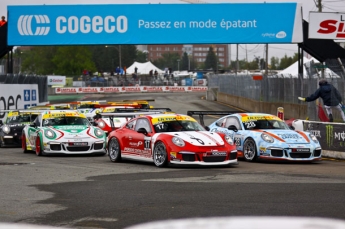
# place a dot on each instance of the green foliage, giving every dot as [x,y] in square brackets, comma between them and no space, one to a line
[39,60]
[168,60]
[141,56]
[211,59]
[184,65]
[72,60]
[274,63]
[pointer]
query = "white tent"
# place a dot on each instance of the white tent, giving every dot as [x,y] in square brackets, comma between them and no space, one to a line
[292,70]
[143,68]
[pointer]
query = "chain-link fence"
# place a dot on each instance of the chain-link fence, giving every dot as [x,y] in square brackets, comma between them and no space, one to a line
[280,88]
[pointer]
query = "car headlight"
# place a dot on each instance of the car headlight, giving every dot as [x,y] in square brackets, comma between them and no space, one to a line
[99,132]
[313,137]
[49,134]
[6,129]
[178,141]
[229,140]
[267,138]
[101,124]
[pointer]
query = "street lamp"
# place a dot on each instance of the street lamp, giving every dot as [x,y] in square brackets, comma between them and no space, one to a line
[178,64]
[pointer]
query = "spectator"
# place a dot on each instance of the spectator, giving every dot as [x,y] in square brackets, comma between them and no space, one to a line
[330,96]
[156,74]
[117,70]
[3,21]
[151,73]
[125,70]
[135,70]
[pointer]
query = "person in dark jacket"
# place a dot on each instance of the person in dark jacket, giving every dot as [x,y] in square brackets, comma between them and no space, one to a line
[330,96]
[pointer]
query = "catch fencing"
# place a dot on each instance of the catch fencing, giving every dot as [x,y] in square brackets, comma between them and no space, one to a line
[284,89]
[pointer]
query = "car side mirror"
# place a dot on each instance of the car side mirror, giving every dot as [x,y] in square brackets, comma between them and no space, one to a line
[233,128]
[1,123]
[292,127]
[207,128]
[33,125]
[94,123]
[142,131]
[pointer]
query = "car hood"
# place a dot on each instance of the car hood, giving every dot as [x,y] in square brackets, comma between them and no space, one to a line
[289,136]
[199,138]
[71,129]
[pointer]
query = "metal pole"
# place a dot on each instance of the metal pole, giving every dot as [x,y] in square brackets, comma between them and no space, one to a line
[120,55]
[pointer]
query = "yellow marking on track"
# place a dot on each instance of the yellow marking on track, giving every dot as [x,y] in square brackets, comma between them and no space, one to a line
[225,104]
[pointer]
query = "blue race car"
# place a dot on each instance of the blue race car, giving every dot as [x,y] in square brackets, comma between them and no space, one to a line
[267,137]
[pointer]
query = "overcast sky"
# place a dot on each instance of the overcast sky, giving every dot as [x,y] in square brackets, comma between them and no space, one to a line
[251,50]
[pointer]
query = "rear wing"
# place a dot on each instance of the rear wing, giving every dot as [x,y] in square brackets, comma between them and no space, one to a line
[129,115]
[202,113]
[143,109]
[135,100]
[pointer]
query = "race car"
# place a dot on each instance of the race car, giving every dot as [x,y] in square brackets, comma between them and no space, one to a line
[144,103]
[170,139]
[63,132]
[11,128]
[260,136]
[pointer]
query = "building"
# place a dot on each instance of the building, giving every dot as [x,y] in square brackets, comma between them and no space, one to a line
[196,52]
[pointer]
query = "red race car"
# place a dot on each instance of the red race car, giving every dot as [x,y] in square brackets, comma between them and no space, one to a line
[170,139]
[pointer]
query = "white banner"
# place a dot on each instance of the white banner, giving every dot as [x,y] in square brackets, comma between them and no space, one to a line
[17,96]
[327,25]
[101,90]
[56,80]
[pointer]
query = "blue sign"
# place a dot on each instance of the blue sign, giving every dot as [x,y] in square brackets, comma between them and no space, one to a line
[221,23]
[33,95]
[26,106]
[26,95]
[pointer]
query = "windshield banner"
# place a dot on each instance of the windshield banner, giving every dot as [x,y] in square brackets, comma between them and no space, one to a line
[221,23]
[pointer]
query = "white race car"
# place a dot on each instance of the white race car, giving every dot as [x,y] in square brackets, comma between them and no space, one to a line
[63,132]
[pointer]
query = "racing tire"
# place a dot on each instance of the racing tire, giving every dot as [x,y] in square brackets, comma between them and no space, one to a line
[1,142]
[24,147]
[114,150]
[160,155]
[39,151]
[249,150]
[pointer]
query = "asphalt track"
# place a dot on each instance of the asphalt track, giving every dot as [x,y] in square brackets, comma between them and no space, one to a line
[92,192]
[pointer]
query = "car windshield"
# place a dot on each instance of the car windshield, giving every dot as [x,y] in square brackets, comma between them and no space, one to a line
[174,126]
[24,118]
[65,121]
[265,124]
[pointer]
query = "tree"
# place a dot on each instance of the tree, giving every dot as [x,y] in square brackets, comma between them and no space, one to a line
[168,60]
[185,62]
[39,60]
[72,60]
[211,59]
[141,56]
[274,63]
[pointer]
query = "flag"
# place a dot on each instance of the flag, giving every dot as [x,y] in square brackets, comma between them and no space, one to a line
[322,115]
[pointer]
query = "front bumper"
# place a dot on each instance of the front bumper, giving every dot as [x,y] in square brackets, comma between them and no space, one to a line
[11,140]
[191,158]
[289,154]
[97,147]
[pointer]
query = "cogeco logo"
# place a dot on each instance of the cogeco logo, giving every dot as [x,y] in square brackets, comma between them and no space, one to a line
[96,24]
[25,22]
[331,26]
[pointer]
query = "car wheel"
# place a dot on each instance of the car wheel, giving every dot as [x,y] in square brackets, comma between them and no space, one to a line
[39,151]
[114,150]
[24,147]
[160,156]
[1,142]
[249,150]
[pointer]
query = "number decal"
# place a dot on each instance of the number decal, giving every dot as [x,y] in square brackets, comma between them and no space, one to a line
[147,144]
[237,141]
[250,125]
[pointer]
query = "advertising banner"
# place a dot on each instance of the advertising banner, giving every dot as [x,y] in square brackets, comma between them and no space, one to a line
[327,25]
[101,90]
[17,96]
[222,23]
[330,135]
[56,80]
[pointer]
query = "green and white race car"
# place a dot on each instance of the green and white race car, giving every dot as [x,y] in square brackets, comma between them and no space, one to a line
[63,132]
